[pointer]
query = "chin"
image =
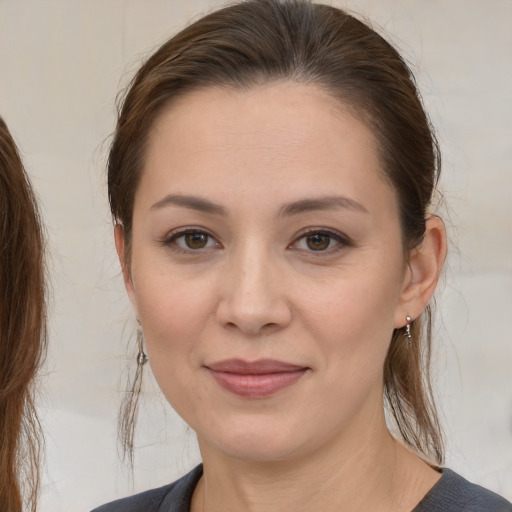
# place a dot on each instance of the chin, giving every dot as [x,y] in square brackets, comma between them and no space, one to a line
[254,441]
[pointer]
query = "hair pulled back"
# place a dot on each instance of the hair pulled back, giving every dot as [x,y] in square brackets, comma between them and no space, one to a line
[258,41]
[22,330]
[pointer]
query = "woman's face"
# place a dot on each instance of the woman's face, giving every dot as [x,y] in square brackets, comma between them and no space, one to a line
[267,268]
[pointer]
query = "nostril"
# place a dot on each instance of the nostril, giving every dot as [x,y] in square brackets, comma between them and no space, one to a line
[255,311]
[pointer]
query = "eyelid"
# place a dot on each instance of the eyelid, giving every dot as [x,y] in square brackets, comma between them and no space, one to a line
[176,233]
[344,240]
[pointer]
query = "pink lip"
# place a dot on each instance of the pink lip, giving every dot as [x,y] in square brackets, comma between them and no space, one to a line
[255,379]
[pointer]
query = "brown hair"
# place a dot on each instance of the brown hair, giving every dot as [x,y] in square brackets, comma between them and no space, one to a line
[22,330]
[258,41]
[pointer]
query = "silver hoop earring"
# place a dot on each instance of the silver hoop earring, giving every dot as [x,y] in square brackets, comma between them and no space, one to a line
[142,358]
[408,328]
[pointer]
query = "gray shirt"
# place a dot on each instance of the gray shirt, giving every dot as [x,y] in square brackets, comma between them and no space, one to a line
[451,493]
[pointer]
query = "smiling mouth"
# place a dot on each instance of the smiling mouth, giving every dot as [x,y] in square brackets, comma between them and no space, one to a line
[256,379]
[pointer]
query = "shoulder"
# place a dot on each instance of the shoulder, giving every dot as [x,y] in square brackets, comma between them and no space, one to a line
[453,493]
[174,497]
[145,501]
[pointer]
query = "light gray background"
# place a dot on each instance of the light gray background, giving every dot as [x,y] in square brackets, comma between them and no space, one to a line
[61,64]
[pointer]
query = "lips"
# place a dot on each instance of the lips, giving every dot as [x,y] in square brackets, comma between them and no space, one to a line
[255,379]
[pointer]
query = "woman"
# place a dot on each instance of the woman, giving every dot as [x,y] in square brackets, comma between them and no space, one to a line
[270,179]
[22,330]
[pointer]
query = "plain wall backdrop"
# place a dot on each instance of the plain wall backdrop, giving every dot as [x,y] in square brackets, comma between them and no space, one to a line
[61,65]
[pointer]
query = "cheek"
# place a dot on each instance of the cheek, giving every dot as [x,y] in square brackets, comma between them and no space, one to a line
[361,302]
[173,314]
[171,311]
[352,317]
[173,305]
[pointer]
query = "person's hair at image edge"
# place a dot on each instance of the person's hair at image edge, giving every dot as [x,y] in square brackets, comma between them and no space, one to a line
[22,331]
[261,41]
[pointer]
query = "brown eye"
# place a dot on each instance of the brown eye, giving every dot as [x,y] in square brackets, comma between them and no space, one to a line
[191,241]
[321,241]
[196,240]
[318,241]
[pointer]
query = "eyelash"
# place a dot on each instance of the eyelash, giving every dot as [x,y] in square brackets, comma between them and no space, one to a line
[171,240]
[341,240]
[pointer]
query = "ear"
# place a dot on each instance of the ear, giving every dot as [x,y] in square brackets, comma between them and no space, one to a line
[423,271]
[127,275]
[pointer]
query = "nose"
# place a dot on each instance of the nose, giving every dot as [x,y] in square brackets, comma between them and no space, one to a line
[253,295]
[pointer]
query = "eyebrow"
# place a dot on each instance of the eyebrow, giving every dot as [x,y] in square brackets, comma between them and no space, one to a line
[321,204]
[190,202]
[288,209]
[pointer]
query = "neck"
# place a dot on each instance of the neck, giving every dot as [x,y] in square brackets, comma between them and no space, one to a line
[366,471]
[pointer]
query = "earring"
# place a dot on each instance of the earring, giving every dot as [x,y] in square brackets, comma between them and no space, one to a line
[142,358]
[408,328]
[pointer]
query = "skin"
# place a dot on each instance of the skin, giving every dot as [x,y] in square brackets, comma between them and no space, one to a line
[270,160]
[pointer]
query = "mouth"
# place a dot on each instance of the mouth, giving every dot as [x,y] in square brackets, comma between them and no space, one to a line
[255,379]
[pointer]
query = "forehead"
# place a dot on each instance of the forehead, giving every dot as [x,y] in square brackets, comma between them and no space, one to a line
[279,136]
